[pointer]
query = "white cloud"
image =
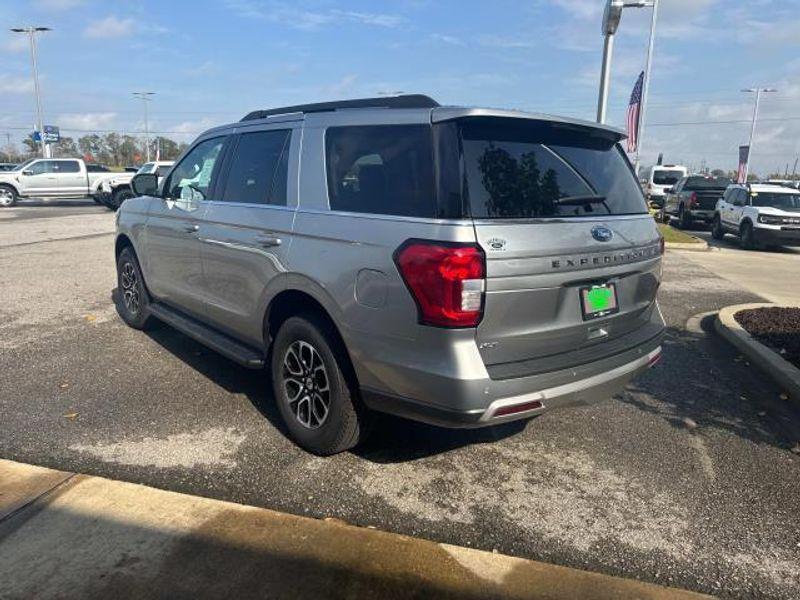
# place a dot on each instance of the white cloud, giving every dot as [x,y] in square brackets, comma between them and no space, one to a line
[499,41]
[17,43]
[341,87]
[110,27]
[447,39]
[58,4]
[287,14]
[192,128]
[581,9]
[15,85]
[86,121]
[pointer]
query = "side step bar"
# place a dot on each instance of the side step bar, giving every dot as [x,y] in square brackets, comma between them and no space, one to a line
[224,344]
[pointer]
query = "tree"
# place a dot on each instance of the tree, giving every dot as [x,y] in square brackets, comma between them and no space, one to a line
[66,148]
[93,148]
[718,173]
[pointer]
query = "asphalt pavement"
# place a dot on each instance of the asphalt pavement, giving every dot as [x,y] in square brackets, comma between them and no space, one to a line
[686,479]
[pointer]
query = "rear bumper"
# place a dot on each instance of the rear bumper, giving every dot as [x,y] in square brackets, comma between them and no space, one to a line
[488,402]
[777,237]
[700,214]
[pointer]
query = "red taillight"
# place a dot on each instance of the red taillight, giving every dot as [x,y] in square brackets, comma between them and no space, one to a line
[693,199]
[517,408]
[446,281]
[662,244]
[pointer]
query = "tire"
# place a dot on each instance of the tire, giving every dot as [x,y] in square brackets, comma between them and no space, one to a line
[307,358]
[119,196]
[97,200]
[663,216]
[133,300]
[8,196]
[717,232]
[746,238]
[684,218]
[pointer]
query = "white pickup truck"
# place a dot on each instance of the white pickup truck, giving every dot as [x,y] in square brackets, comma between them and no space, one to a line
[116,189]
[50,177]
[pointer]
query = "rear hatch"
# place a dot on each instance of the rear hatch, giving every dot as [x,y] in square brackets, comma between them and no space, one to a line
[573,257]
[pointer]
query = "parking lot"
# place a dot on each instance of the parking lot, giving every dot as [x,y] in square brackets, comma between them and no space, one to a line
[686,479]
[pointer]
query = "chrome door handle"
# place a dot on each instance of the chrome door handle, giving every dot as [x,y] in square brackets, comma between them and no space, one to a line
[269,241]
[191,228]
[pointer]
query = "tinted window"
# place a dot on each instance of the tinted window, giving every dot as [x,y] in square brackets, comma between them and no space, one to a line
[707,183]
[193,177]
[541,170]
[662,177]
[162,170]
[777,200]
[96,169]
[68,166]
[383,169]
[258,172]
[146,168]
[43,166]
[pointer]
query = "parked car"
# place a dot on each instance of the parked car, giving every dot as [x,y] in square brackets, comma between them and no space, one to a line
[117,189]
[659,179]
[7,166]
[759,214]
[460,266]
[693,199]
[57,177]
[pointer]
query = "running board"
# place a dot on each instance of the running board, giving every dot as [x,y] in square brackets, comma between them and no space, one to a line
[224,344]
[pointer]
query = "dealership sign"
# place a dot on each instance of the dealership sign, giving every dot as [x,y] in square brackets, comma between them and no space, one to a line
[51,135]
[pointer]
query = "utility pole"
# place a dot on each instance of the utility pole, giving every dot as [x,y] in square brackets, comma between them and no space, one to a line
[145,98]
[758,92]
[646,84]
[32,31]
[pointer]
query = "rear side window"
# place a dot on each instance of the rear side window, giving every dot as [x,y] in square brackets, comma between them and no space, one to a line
[381,169]
[259,169]
[68,166]
[535,169]
[707,183]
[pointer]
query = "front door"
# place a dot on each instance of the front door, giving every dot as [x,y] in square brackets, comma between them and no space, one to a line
[172,269]
[39,179]
[247,232]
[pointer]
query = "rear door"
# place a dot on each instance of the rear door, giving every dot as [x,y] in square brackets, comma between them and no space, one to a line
[248,231]
[71,179]
[573,257]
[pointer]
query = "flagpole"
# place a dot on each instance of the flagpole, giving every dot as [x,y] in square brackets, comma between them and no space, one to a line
[646,86]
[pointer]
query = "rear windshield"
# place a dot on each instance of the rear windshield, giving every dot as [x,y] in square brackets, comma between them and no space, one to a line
[666,177]
[514,170]
[777,200]
[706,183]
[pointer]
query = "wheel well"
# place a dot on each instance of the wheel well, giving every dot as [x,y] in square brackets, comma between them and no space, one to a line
[10,185]
[744,222]
[123,241]
[291,303]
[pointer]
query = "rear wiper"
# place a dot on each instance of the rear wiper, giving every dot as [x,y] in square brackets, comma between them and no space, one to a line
[580,200]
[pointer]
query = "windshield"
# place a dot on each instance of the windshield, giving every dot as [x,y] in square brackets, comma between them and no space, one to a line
[661,177]
[776,200]
[146,168]
[23,165]
[545,170]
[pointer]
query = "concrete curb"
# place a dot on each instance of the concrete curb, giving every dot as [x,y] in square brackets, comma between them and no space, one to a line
[699,246]
[786,375]
[76,536]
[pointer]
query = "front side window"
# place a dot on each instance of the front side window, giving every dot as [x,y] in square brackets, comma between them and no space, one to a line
[541,170]
[381,169]
[146,168]
[193,177]
[259,169]
[42,167]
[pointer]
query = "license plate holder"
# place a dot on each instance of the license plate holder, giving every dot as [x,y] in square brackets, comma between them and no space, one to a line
[598,301]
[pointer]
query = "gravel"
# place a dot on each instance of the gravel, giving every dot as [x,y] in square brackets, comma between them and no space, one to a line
[777,327]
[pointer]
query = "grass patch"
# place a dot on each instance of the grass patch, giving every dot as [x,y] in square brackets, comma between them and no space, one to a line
[675,235]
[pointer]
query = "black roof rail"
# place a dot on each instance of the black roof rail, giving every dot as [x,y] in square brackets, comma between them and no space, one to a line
[401,101]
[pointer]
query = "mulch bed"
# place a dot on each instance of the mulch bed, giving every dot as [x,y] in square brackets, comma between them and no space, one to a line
[776,327]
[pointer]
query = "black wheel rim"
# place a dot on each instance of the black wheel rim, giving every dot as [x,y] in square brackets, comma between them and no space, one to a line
[130,288]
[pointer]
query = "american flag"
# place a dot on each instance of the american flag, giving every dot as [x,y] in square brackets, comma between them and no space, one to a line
[744,156]
[634,110]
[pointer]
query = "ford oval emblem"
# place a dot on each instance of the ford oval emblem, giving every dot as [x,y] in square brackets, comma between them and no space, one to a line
[602,233]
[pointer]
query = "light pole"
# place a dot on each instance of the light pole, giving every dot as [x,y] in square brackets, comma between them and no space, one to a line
[611,19]
[145,98]
[646,86]
[757,91]
[32,31]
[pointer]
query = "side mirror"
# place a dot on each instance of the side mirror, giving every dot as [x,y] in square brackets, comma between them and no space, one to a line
[145,184]
[27,172]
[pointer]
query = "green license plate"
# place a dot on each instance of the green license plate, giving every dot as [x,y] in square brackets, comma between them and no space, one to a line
[599,301]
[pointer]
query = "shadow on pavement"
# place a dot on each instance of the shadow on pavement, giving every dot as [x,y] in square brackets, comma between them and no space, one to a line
[703,379]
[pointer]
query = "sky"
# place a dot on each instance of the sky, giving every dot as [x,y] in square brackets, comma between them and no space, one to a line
[210,62]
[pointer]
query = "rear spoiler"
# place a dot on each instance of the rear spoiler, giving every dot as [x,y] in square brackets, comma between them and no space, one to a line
[452,113]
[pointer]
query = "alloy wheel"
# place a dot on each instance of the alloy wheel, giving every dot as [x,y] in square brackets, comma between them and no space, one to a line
[306,384]
[6,197]
[130,288]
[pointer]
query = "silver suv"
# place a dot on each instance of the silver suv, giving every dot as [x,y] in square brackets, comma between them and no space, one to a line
[458,266]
